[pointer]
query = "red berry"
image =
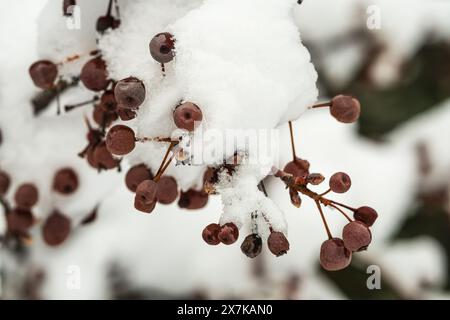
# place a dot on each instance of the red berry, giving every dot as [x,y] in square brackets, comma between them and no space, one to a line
[103,118]
[146,191]
[108,101]
[367,215]
[252,246]
[26,196]
[120,140]
[56,229]
[144,207]
[126,114]
[162,47]
[340,182]
[66,5]
[228,233]
[334,255]
[356,236]
[101,158]
[65,181]
[19,221]
[136,175]
[106,22]
[94,75]
[187,116]
[5,181]
[345,109]
[43,73]
[297,167]
[130,93]
[193,199]
[211,234]
[167,190]
[278,244]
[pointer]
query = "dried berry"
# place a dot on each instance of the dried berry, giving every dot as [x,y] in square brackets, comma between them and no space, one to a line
[56,229]
[120,140]
[167,190]
[130,93]
[340,182]
[193,199]
[136,175]
[65,181]
[211,234]
[334,255]
[5,181]
[278,244]
[356,236]
[43,73]
[146,191]
[187,116]
[315,179]
[94,75]
[162,47]
[345,109]
[367,215]
[26,196]
[228,233]
[252,246]
[295,198]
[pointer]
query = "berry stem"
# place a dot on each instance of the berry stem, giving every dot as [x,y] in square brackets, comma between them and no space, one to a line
[262,188]
[108,12]
[325,193]
[156,179]
[5,205]
[342,205]
[70,107]
[291,130]
[163,69]
[163,162]
[321,105]
[58,100]
[157,139]
[323,219]
[341,211]
[116,7]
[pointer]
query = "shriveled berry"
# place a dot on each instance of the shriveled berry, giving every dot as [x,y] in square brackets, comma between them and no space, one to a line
[26,196]
[5,182]
[211,234]
[297,167]
[167,190]
[193,199]
[43,73]
[340,182]
[94,75]
[356,236]
[228,233]
[334,255]
[19,221]
[252,246]
[56,229]
[136,175]
[120,140]
[367,215]
[126,114]
[102,158]
[146,191]
[315,178]
[295,198]
[144,207]
[130,93]
[65,181]
[162,47]
[345,109]
[187,116]
[277,243]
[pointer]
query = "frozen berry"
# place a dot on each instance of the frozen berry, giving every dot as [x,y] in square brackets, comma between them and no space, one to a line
[65,181]
[126,114]
[278,244]
[146,191]
[130,93]
[5,181]
[19,221]
[167,190]
[367,215]
[345,109]
[120,140]
[340,182]
[356,236]
[211,234]
[162,47]
[43,73]
[103,118]
[136,175]
[101,158]
[334,255]
[144,207]
[252,246]
[26,196]
[193,199]
[94,75]
[56,229]
[228,233]
[187,116]
[297,167]
[108,101]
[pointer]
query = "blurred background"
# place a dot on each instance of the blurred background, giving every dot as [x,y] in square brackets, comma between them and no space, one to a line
[394,56]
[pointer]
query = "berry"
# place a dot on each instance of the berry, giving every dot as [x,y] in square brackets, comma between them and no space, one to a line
[193,199]
[340,182]
[345,109]
[19,221]
[120,140]
[167,190]
[66,5]
[367,215]
[295,198]
[103,118]
[297,167]
[252,246]
[5,182]
[211,234]
[162,47]
[228,233]
[43,73]
[146,192]
[56,229]
[101,158]
[125,114]
[144,207]
[106,22]
[130,93]
[26,196]
[356,236]
[334,255]
[94,75]
[136,175]
[65,181]
[186,115]
[108,101]
[278,244]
